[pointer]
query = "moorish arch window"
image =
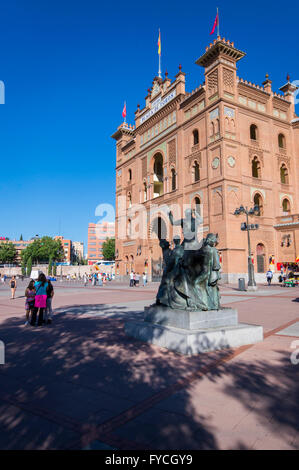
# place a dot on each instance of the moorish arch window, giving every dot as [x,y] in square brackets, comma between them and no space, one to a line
[255,168]
[253,132]
[196,172]
[159,228]
[258,201]
[129,200]
[195,137]
[144,192]
[129,231]
[196,205]
[284,174]
[286,206]
[281,141]
[173,179]
[158,175]
[130,174]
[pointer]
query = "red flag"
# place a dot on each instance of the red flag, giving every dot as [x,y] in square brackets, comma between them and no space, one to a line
[124,113]
[215,24]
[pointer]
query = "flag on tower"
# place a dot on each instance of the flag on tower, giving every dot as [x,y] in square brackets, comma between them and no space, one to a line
[124,113]
[216,23]
[159,43]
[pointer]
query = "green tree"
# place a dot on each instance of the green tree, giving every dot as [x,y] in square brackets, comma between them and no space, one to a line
[42,249]
[108,249]
[23,268]
[54,269]
[8,252]
[29,266]
[50,266]
[21,237]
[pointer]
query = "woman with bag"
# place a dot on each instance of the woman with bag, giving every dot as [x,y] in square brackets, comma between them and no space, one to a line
[40,301]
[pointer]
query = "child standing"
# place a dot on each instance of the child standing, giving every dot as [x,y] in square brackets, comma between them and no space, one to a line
[29,304]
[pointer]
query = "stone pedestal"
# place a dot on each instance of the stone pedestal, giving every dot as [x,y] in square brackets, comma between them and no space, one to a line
[190,332]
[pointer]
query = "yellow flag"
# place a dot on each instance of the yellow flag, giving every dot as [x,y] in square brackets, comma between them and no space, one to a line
[159,43]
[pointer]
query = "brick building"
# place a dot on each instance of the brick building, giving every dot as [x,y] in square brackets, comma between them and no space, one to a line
[97,234]
[227,143]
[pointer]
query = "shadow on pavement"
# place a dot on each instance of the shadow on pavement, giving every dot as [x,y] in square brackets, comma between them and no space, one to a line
[63,381]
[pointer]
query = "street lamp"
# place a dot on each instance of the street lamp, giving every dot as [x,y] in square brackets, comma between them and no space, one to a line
[246,226]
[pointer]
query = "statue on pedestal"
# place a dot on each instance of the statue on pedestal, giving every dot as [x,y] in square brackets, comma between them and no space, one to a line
[191,270]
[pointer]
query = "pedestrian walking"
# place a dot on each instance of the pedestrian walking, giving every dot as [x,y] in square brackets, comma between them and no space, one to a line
[40,301]
[29,302]
[13,286]
[131,279]
[49,310]
[269,276]
[137,278]
[144,279]
[85,279]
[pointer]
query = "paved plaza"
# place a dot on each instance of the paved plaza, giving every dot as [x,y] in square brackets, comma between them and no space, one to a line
[80,383]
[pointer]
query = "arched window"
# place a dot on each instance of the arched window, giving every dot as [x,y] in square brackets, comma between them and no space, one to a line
[130,175]
[281,141]
[129,228]
[158,175]
[197,205]
[159,228]
[253,132]
[173,179]
[258,201]
[196,171]
[195,137]
[129,200]
[286,207]
[144,192]
[255,168]
[284,175]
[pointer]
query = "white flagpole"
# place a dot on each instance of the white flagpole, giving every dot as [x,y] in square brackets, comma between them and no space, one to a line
[159,72]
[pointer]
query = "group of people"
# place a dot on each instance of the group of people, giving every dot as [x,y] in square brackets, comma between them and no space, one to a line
[38,304]
[135,279]
[96,279]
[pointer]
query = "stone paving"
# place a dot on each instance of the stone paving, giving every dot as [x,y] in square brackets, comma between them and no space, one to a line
[82,384]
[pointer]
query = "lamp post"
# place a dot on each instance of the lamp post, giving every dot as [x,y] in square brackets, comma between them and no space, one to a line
[246,226]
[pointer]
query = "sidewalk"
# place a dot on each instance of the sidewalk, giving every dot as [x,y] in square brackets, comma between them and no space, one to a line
[81,383]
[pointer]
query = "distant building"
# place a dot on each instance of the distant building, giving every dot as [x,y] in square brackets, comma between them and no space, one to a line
[77,251]
[67,248]
[97,234]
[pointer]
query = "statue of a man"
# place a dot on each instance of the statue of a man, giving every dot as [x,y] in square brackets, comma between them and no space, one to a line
[210,275]
[189,226]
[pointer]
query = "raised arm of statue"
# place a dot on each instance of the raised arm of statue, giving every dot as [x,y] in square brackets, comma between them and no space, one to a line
[174,222]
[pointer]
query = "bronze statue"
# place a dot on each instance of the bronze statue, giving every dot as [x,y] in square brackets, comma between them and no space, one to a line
[190,274]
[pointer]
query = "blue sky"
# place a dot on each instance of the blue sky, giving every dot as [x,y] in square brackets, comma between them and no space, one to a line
[68,66]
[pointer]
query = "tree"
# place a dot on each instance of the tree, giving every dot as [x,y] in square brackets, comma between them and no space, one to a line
[8,252]
[50,266]
[108,249]
[54,269]
[42,249]
[23,268]
[21,237]
[29,266]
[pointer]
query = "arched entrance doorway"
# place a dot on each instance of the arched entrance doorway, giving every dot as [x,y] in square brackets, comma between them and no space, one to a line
[260,258]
